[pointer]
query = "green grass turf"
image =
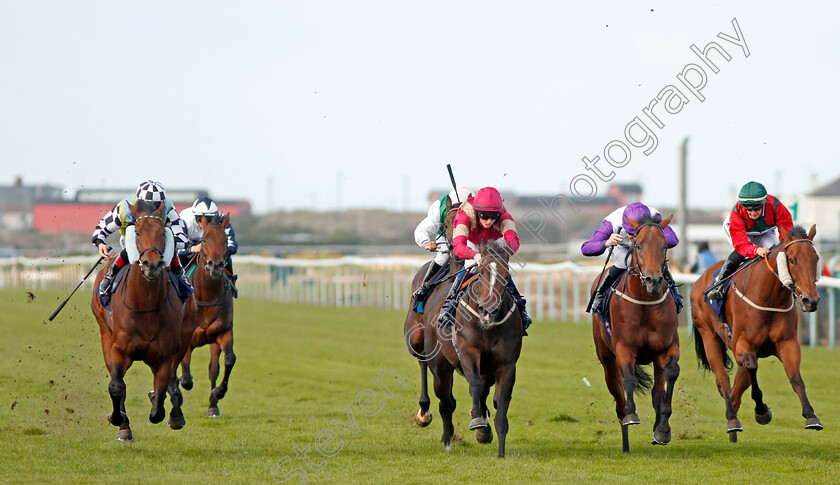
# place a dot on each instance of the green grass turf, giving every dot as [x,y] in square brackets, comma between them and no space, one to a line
[299,367]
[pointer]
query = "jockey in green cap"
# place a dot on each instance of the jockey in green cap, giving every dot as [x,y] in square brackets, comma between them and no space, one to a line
[752,228]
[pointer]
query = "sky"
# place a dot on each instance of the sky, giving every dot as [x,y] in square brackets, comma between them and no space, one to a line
[324,105]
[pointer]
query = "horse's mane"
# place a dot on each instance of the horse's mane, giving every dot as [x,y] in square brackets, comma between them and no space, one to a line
[797,232]
[147,206]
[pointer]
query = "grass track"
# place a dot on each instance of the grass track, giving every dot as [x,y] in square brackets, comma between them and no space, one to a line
[297,369]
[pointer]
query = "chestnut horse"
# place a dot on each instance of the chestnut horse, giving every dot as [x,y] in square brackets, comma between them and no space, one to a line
[214,298]
[483,343]
[147,322]
[415,323]
[761,315]
[643,320]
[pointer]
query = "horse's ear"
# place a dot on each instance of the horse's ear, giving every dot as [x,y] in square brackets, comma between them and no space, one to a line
[812,232]
[784,233]
[664,224]
[633,223]
[448,204]
[483,249]
[159,211]
[134,211]
[226,220]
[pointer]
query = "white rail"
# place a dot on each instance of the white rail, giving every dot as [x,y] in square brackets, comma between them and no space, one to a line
[554,291]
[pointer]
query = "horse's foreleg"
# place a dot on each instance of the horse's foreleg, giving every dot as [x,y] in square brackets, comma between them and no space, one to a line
[213,372]
[163,377]
[714,355]
[662,430]
[471,367]
[742,382]
[626,361]
[176,416]
[118,365]
[791,355]
[186,377]
[505,379]
[423,416]
[443,391]
[226,343]
[485,434]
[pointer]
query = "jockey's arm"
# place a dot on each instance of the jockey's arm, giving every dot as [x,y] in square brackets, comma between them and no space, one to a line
[740,241]
[109,224]
[232,245]
[597,244]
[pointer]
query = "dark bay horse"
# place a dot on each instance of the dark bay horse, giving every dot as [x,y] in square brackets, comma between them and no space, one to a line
[147,322]
[415,323]
[643,320]
[763,321]
[214,298]
[483,343]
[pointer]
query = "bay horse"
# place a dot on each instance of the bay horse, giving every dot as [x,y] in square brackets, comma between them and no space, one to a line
[643,331]
[483,343]
[214,299]
[415,323]
[762,318]
[147,322]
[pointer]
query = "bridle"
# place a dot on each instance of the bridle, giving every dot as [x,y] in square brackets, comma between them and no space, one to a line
[635,269]
[154,249]
[793,287]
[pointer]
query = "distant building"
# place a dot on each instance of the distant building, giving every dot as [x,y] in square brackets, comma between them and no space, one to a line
[17,200]
[822,207]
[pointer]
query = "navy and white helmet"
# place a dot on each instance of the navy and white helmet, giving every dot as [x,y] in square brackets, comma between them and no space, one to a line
[205,207]
[151,191]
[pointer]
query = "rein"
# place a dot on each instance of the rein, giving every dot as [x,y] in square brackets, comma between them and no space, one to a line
[636,271]
[198,259]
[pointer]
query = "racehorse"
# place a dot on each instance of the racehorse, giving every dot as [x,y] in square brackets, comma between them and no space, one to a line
[214,298]
[643,330]
[762,319]
[484,345]
[147,322]
[415,323]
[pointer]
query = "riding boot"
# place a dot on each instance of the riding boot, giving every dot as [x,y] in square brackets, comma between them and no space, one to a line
[609,278]
[520,304]
[184,286]
[715,291]
[426,287]
[669,279]
[232,277]
[445,315]
[105,284]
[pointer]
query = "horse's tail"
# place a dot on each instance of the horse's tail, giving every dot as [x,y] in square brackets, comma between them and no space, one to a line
[700,349]
[645,381]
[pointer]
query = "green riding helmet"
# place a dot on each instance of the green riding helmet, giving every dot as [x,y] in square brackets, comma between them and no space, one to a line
[752,194]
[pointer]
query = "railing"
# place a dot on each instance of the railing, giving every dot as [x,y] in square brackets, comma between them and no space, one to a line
[554,291]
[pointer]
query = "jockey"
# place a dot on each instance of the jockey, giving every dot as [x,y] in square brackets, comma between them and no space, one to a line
[611,233]
[196,218]
[120,217]
[482,218]
[429,235]
[751,227]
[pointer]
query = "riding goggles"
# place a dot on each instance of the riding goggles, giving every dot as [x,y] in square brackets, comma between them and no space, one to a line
[489,215]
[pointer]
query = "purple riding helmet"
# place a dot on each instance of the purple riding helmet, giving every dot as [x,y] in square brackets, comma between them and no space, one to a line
[636,211]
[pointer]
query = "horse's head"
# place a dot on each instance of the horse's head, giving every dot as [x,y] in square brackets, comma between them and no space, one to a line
[214,245]
[492,281]
[802,261]
[150,234]
[649,251]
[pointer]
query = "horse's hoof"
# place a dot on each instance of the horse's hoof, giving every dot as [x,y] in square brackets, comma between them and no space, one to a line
[213,412]
[661,438]
[177,422]
[813,423]
[423,419]
[764,418]
[117,420]
[186,381]
[125,435]
[156,418]
[476,423]
[447,447]
[733,425]
[629,419]
[484,435]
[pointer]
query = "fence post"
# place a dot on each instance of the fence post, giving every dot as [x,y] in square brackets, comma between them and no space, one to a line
[576,296]
[552,315]
[831,316]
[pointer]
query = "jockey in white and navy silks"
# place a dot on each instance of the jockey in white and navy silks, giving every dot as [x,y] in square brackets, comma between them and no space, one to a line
[611,233]
[482,219]
[429,235]
[204,209]
[120,217]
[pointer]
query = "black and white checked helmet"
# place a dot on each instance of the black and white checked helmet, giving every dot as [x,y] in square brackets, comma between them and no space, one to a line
[151,191]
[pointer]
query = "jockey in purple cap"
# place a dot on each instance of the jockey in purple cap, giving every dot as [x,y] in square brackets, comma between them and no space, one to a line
[612,232]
